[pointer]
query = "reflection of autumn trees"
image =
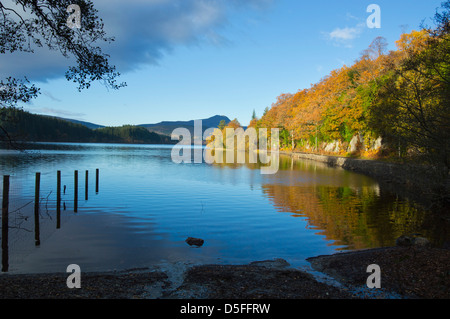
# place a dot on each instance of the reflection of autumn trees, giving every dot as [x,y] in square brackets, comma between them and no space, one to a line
[348,209]
[355,218]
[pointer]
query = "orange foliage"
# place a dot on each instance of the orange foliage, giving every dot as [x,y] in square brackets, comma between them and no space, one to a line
[332,104]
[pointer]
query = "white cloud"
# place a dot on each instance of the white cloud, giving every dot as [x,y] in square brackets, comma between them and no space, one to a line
[345,36]
[56,112]
[350,16]
[50,96]
[144,31]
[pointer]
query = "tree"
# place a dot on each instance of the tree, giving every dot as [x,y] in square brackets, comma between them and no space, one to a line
[442,20]
[376,48]
[234,124]
[27,24]
[414,100]
[11,92]
[222,125]
[419,88]
[402,96]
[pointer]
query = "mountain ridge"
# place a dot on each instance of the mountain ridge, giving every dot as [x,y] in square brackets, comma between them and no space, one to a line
[210,122]
[90,125]
[167,127]
[164,127]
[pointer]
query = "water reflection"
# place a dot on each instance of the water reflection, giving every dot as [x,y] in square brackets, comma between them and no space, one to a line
[355,218]
[21,214]
[149,205]
[358,215]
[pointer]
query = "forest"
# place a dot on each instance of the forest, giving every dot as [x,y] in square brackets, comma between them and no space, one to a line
[21,126]
[401,97]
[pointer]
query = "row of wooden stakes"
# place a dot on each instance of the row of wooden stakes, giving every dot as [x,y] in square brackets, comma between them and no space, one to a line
[5,207]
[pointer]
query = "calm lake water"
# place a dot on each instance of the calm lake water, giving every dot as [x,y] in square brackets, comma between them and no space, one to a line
[147,206]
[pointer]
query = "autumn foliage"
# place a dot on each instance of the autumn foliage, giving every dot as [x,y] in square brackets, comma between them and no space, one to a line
[401,96]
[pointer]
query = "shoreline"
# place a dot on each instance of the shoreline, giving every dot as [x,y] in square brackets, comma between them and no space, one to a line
[407,273]
[413,182]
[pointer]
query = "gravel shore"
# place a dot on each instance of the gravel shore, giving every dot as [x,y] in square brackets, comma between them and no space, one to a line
[407,272]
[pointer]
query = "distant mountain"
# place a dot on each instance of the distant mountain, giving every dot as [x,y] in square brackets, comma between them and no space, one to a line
[166,128]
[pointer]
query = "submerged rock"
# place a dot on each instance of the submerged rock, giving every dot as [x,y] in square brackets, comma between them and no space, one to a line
[276,263]
[413,240]
[195,242]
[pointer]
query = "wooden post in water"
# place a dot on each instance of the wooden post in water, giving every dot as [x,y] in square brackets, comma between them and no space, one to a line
[75,190]
[36,209]
[97,174]
[58,200]
[86,186]
[5,224]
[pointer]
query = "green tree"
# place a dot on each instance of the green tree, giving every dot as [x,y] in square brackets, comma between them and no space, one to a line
[414,98]
[222,125]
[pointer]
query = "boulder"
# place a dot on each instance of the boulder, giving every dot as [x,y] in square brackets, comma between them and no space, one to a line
[356,144]
[195,242]
[378,144]
[421,242]
[331,147]
[353,147]
[404,241]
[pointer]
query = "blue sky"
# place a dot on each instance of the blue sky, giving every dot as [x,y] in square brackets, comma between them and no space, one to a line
[192,59]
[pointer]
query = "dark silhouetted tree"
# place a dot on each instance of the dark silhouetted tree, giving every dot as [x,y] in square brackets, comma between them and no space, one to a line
[28,24]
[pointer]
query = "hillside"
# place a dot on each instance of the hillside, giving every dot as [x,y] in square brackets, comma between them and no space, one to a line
[388,104]
[24,126]
[133,135]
